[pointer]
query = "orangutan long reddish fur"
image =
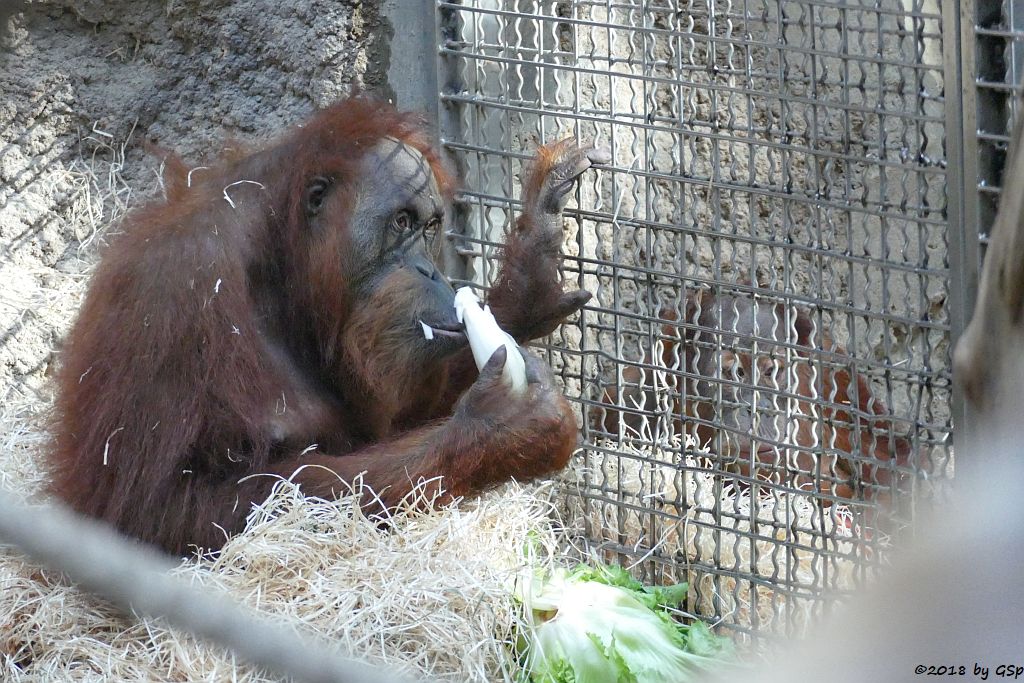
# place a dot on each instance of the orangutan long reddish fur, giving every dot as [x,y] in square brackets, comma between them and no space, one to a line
[865,431]
[160,420]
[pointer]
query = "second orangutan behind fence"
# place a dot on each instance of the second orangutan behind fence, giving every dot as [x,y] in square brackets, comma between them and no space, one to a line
[771,396]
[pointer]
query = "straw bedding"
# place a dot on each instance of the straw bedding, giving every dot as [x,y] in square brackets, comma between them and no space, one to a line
[430,596]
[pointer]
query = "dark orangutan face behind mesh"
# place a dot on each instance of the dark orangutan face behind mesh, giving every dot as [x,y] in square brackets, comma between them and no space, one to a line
[778,400]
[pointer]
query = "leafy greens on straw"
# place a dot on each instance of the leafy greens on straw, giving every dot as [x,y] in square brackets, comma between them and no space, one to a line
[600,625]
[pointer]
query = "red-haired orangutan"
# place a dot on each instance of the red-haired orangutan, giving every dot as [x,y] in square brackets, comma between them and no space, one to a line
[785,402]
[275,302]
[775,398]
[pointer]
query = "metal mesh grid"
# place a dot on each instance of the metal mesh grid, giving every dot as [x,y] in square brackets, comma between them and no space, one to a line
[767,253]
[996,63]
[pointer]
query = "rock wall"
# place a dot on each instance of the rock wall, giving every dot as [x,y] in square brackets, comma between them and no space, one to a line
[86,86]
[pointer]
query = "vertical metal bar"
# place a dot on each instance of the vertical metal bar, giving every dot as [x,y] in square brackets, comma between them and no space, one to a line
[418,87]
[415,87]
[446,79]
[958,45]
[1015,58]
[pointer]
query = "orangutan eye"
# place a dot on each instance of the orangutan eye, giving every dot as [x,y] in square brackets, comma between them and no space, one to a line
[402,221]
[316,194]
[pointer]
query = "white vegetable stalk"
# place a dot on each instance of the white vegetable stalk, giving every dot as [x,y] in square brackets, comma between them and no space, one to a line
[485,337]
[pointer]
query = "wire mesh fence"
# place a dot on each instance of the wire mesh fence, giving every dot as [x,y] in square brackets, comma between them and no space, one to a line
[984,54]
[763,374]
[995,64]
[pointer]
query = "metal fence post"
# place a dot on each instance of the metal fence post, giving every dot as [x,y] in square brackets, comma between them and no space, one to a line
[419,29]
[962,159]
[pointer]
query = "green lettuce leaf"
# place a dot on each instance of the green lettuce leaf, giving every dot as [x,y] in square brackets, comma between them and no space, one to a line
[600,625]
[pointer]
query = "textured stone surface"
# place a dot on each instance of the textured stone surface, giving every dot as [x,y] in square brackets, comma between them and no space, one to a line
[86,85]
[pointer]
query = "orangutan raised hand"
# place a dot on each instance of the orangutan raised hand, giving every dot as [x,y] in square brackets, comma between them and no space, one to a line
[527,298]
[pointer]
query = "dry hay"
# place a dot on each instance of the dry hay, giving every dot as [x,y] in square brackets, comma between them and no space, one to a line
[430,596]
[781,539]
